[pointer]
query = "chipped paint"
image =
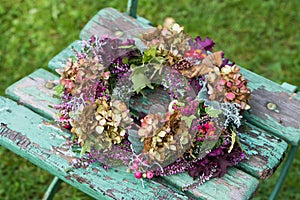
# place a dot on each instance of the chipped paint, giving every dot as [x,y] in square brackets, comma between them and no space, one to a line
[20,139]
[264,151]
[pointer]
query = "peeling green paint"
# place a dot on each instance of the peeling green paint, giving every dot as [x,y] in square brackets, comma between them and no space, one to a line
[59,61]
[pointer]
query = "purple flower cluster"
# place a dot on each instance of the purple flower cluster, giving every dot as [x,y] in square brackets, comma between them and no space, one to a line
[218,159]
[206,44]
[64,108]
[226,61]
[190,108]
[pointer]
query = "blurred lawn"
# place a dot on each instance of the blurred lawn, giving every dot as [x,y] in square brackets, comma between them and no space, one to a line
[262,36]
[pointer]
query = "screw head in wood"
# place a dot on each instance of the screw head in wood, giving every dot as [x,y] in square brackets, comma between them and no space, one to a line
[271,106]
[49,85]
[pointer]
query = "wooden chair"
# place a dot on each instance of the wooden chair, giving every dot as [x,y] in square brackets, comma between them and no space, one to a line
[25,130]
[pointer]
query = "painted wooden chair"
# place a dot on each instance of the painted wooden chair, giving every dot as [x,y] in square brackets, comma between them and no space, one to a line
[25,130]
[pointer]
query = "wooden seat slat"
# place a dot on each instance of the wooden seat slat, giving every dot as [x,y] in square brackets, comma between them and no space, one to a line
[59,61]
[111,22]
[264,151]
[36,92]
[283,119]
[218,188]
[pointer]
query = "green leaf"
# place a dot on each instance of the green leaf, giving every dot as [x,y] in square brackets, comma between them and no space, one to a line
[86,148]
[203,95]
[138,69]
[139,79]
[136,144]
[233,137]
[125,60]
[188,119]
[212,112]
[59,89]
[158,60]
[149,54]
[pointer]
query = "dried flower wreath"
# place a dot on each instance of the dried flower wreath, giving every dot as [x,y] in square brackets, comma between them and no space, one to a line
[170,106]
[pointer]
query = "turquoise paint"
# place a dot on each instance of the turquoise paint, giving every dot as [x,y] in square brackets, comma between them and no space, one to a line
[59,61]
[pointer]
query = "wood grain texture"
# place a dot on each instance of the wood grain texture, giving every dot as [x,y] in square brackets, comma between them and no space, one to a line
[111,22]
[59,61]
[45,145]
[37,87]
[235,185]
[265,150]
[282,115]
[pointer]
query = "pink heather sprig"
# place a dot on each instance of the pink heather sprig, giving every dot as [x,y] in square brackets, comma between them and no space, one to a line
[175,84]
[119,154]
[190,108]
[110,52]
[141,168]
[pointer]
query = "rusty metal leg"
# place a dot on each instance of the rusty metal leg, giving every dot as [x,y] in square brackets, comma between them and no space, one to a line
[52,189]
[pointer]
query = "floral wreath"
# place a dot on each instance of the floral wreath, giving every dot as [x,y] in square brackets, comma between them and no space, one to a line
[168,107]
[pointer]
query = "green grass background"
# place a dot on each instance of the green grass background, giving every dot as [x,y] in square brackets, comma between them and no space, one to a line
[262,36]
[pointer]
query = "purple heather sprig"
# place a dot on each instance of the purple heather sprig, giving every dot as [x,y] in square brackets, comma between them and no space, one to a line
[175,84]
[113,53]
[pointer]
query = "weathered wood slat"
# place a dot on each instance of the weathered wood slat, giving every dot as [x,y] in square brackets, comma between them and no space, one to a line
[43,144]
[111,22]
[36,91]
[264,150]
[273,108]
[59,61]
[37,87]
[218,188]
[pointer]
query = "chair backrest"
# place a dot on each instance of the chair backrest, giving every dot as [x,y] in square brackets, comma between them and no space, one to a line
[132,7]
